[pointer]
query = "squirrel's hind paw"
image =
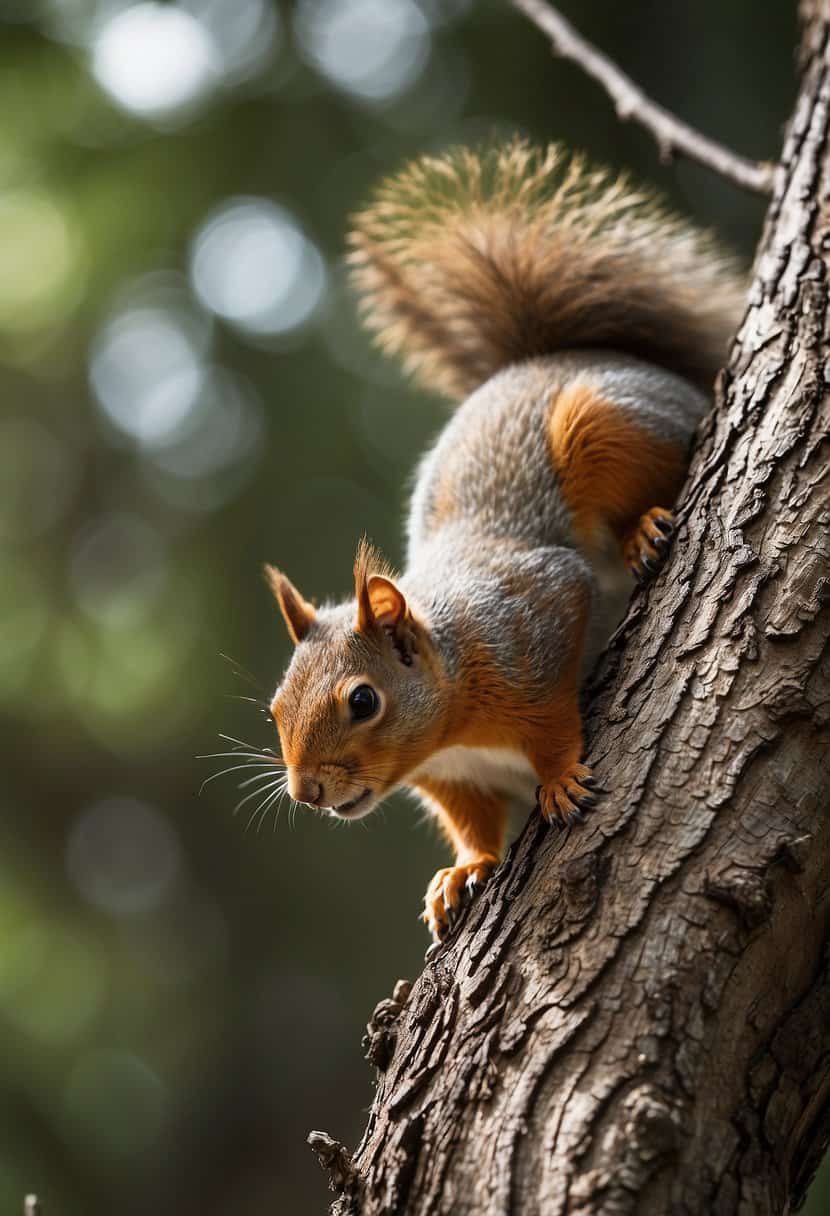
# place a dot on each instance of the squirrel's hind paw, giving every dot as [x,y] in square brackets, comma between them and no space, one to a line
[450,890]
[567,799]
[646,546]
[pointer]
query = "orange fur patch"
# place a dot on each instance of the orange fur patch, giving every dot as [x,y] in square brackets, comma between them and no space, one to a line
[545,724]
[472,819]
[611,471]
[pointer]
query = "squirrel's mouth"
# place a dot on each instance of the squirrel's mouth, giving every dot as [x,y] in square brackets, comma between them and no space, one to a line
[362,802]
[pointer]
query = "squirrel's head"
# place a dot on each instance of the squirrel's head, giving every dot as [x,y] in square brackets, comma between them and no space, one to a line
[362,701]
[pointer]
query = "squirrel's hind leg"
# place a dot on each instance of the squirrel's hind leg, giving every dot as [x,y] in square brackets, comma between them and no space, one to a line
[618,467]
[646,546]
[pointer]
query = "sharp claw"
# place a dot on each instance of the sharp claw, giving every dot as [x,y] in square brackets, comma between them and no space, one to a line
[432,951]
[650,565]
[589,782]
[587,802]
[660,543]
[472,885]
[665,525]
[576,817]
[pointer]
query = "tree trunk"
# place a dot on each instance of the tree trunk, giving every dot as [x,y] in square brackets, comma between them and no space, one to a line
[635,1015]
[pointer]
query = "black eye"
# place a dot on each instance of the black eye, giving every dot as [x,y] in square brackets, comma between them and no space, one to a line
[363,702]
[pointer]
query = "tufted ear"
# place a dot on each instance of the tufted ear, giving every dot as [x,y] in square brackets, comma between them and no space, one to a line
[369,566]
[381,605]
[297,613]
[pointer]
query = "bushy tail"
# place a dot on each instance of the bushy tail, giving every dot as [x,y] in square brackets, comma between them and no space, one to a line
[469,262]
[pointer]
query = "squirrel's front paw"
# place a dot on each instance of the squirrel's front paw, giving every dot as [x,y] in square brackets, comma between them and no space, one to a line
[449,890]
[565,800]
[645,549]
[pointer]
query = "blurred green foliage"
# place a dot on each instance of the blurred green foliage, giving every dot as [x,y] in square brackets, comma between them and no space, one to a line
[185,394]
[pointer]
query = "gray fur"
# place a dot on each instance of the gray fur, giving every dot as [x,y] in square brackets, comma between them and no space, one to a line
[509,515]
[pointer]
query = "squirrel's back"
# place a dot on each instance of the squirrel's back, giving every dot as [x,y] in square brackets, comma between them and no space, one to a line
[469,263]
[492,471]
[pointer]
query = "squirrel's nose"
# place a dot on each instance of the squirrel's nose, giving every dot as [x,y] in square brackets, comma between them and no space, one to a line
[307,789]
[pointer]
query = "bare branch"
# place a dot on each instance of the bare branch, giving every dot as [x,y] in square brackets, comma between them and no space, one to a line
[671,133]
[31,1206]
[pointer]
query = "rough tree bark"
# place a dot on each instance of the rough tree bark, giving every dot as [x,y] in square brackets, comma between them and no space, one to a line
[635,1015]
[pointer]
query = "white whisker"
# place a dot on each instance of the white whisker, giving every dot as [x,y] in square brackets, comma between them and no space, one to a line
[241,743]
[234,769]
[279,808]
[266,755]
[262,808]
[252,817]
[259,777]
[255,794]
[266,808]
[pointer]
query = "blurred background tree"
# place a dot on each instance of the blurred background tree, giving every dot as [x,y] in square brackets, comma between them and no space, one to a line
[185,394]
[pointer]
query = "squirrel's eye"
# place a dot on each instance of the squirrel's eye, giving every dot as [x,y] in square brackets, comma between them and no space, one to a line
[363,702]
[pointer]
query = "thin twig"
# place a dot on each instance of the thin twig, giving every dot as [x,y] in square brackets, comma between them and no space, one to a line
[671,133]
[31,1206]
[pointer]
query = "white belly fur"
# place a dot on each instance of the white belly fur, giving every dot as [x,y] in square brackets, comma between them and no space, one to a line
[488,768]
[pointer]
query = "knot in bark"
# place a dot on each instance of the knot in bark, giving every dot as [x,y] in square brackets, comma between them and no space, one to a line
[378,1042]
[744,890]
[641,1140]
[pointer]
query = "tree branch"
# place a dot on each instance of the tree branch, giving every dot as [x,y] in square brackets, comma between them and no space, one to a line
[671,133]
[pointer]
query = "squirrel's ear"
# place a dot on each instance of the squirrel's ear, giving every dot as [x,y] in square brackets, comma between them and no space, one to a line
[388,603]
[390,613]
[297,613]
[370,570]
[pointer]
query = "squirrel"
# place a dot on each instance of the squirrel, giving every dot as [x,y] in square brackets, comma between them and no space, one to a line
[579,324]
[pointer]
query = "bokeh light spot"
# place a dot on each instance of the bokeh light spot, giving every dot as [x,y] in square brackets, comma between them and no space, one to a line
[123,857]
[155,59]
[41,272]
[252,264]
[374,49]
[246,33]
[146,371]
[118,568]
[223,430]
